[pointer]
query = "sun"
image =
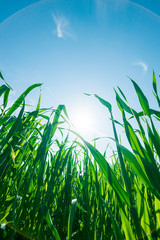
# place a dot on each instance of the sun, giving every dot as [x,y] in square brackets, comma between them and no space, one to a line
[84,121]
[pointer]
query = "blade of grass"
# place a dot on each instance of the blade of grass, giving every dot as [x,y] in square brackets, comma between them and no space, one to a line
[47,217]
[71,218]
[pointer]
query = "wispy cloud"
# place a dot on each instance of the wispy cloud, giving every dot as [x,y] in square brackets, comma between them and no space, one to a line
[62,25]
[103,7]
[142,64]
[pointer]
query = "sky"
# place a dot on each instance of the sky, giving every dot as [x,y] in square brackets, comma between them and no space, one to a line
[77,47]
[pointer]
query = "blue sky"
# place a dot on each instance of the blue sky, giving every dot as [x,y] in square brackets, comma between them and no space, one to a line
[80,46]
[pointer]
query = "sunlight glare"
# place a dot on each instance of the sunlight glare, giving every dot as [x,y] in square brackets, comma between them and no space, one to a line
[84,121]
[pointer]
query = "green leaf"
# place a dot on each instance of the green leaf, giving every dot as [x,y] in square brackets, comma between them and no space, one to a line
[3,89]
[122,105]
[157,210]
[57,115]
[124,173]
[104,102]
[5,213]
[21,98]
[117,231]
[71,218]
[107,171]
[1,76]
[14,128]
[131,159]
[126,226]
[5,100]
[145,220]
[47,217]
[122,94]
[142,98]
[115,121]
[154,82]
[132,137]
[39,103]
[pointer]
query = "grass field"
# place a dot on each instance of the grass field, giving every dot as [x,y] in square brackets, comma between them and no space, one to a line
[54,188]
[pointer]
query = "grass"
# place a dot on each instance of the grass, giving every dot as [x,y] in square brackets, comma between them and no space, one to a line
[52,188]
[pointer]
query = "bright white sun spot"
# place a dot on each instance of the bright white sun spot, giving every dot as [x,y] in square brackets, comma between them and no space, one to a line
[84,121]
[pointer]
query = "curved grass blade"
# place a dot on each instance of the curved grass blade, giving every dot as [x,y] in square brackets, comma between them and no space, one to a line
[126,226]
[5,213]
[107,171]
[145,220]
[14,128]
[57,115]
[47,217]
[1,76]
[104,102]
[20,99]
[157,210]
[122,105]
[155,93]
[131,159]
[121,160]
[5,99]
[154,83]
[71,218]
[142,156]
[117,231]
[3,89]
[142,98]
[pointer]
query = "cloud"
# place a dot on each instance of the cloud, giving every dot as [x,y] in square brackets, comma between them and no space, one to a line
[62,25]
[143,65]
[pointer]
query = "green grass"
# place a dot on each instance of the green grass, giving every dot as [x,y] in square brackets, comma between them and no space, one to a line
[55,188]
